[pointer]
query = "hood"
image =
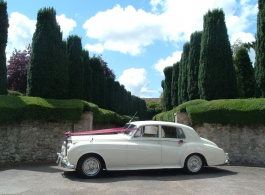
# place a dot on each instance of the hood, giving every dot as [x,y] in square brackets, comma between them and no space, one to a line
[108,137]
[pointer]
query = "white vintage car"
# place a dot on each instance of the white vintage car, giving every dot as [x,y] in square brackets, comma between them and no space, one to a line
[139,145]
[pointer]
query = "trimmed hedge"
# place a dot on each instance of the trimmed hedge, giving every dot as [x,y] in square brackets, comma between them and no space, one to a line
[169,115]
[233,111]
[17,108]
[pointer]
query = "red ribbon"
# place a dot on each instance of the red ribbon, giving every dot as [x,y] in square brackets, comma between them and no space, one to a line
[101,131]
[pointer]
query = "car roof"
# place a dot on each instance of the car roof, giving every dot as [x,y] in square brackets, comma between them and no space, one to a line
[139,123]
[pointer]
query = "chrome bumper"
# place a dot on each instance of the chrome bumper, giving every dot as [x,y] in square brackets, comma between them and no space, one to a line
[227,160]
[63,163]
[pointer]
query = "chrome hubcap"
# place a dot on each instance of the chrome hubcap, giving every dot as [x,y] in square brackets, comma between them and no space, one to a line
[91,166]
[194,163]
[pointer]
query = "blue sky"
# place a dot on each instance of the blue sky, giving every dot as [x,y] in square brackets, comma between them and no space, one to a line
[137,38]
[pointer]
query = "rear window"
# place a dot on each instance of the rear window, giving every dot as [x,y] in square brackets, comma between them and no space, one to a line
[172,132]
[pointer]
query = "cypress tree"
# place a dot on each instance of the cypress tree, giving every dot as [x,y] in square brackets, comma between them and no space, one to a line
[217,78]
[260,48]
[96,69]
[117,104]
[87,88]
[102,87]
[3,40]
[162,95]
[174,84]
[111,94]
[193,65]
[183,76]
[245,73]
[167,88]
[76,69]
[123,99]
[129,104]
[48,69]
[134,105]
[140,107]
[144,109]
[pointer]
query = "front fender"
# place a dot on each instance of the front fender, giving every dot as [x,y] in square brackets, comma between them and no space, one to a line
[114,155]
[77,151]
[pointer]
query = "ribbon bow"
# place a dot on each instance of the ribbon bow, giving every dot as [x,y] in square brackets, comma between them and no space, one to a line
[180,141]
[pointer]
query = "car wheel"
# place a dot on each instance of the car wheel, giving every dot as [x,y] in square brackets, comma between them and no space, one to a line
[193,164]
[89,166]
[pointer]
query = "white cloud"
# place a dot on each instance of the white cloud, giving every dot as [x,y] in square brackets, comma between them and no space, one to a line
[155,3]
[20,32]
[97,48]
[124,29]
[130,31]
[244,37]
[135,81]
[169,61]
[246,16]
[67,24]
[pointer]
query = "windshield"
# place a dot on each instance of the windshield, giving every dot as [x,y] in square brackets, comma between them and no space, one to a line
[129,126]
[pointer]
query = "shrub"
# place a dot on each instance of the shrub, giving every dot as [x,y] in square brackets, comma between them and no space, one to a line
[17,108]
[232,111]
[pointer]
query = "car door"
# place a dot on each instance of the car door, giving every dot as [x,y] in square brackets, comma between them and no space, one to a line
[144,148]
[172,144]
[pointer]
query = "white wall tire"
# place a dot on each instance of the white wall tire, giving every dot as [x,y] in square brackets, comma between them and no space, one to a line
[193,164]
[89,166]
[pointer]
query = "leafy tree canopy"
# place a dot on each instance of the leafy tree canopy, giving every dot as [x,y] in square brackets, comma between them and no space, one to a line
[17,69]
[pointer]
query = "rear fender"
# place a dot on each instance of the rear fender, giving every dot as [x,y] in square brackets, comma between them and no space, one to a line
[194,148]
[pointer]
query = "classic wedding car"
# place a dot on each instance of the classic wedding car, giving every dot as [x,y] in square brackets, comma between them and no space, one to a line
[139,145]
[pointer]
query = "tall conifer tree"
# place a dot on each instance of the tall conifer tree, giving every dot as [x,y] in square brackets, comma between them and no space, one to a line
[163,94]
[96,69]
[87,87]
[134,105]
[217,78]
[167,88]
[183,76]
[174,84]
[3,40]
[123,99]
[48,69]
[245,73]
[111,94]
[76,68]
[129,104]
[193,65]
[260,48]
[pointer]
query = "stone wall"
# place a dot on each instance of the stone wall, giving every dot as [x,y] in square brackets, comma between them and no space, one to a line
[30,141]
[244,144]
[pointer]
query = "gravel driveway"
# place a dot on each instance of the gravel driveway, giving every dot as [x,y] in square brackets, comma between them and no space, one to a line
[51,179]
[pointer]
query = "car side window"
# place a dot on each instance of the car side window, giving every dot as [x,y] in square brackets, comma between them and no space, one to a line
[147,131]
[180,133]
[172,132]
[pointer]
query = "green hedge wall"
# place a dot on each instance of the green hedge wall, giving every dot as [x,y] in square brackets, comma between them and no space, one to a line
[17,108]
[233,111]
